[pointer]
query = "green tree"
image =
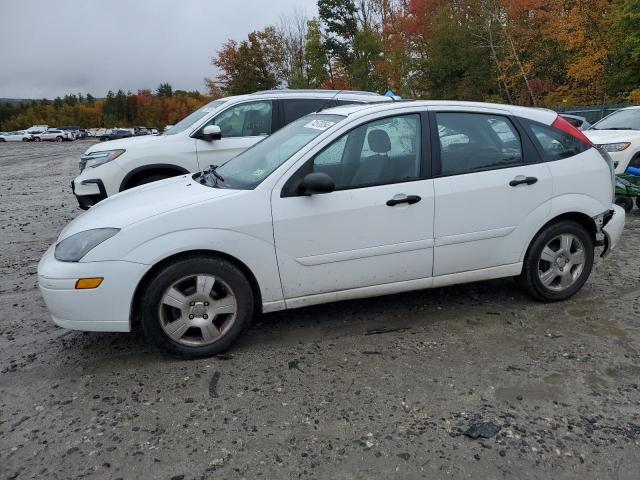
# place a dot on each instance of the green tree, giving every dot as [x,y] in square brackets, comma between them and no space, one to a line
[315,56]
[164,90]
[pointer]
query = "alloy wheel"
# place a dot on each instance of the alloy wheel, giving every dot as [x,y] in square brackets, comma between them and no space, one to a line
[561,262]
[197,310]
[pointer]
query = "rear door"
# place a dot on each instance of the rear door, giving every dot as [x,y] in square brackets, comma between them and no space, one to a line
[490,187]
[242,125]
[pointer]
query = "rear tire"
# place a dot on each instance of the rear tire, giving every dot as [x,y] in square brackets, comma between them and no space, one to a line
[59,139]
[624,202]
[558,262]
[25,139]
[196,307]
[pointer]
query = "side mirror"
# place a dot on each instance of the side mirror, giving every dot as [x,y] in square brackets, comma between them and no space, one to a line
[211,132]
[315,183]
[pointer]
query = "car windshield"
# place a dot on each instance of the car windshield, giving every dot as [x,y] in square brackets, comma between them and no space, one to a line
[251,167]
[189,120]
[620,120]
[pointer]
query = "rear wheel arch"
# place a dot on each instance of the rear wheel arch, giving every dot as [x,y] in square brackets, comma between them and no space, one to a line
[136,175]
[580,218]
[134,319]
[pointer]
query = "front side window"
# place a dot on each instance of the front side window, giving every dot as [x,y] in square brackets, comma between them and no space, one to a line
[555,143]
[376,153]
[471,142]
[251,119]
[252,166]
[199,114]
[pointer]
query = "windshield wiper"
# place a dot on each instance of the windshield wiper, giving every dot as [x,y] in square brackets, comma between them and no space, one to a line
[210,176]
[614,128]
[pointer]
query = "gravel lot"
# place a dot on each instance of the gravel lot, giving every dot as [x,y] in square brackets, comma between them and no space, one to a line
[322,392]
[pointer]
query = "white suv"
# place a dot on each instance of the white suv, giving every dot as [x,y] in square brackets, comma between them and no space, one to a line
[619,134]
[351,202]
[52,135]
[242,121]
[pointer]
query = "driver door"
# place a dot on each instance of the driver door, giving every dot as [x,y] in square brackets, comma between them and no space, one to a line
[242,126]
[376,228]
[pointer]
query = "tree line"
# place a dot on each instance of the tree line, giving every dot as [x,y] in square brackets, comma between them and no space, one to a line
[546,53]
[156,109]
[528,52]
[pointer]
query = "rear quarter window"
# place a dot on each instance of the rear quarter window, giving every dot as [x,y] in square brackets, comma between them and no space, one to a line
[556,144]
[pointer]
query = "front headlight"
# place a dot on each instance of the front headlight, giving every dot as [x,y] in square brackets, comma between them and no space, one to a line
[614,147]
[73,248]
[95,159]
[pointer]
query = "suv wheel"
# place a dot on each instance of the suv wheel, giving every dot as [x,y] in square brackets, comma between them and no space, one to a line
[558,262]
[196,307]
[148,179]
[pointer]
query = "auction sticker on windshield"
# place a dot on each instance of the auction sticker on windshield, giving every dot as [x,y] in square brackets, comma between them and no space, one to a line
[319,124]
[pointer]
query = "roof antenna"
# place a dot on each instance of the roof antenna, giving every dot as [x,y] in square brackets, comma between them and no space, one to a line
[324,105]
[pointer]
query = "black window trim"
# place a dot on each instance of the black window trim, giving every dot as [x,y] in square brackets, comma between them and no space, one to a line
[546,157]
[530,153]
[290,188]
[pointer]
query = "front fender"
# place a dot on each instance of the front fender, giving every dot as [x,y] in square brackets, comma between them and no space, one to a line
[257,254]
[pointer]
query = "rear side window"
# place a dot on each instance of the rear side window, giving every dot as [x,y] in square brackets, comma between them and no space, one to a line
[471,142]
[294,109]
[555,143]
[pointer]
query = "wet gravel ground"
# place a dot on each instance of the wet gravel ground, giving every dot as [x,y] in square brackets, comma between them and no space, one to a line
[378,388]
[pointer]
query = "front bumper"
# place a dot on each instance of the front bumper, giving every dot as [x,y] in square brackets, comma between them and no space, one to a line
[87,200]
[103,309]
[612,229]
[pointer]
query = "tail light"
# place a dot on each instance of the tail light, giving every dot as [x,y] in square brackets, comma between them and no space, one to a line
[564,126]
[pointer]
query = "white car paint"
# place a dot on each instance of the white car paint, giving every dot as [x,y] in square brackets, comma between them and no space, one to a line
[20,136]
[52,135]
[631,154]
[305,250]
[182,150]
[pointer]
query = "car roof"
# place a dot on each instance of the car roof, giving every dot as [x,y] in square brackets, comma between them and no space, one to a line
[351,95]
[538,114]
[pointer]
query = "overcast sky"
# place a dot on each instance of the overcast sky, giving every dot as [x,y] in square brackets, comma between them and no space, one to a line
[69,46]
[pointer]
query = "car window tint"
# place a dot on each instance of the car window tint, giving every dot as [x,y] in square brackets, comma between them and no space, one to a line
[555,143]
[245,120]
[296,108]
[376,153]
[471,142]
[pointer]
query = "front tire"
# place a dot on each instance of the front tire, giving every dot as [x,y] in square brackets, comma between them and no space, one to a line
[559,262]
[196,307]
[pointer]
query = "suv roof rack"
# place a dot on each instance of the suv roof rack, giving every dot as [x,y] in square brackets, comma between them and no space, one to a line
[284,91]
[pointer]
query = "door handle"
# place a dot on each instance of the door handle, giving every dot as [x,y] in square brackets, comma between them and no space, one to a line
[521,179]
[410,199]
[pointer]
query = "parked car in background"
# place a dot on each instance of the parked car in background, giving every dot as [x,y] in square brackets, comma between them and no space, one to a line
[351,202]
[579,122]
[140,131]
[73,130]
[116,133]
[20,136]
[619,135]
[212,134]
[35,129]
[53,135]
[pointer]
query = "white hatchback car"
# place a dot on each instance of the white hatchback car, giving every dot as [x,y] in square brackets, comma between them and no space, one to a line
[352,202]
[19,136]
[212,134]
[619,135]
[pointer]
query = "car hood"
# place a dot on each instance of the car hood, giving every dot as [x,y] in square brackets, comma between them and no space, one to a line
[126,143]
[146,201]
[611,136]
